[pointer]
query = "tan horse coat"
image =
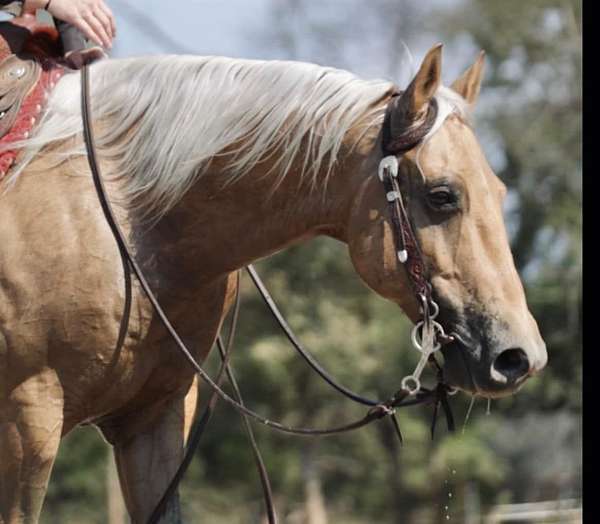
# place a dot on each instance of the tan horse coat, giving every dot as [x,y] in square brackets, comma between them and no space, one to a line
[62,293]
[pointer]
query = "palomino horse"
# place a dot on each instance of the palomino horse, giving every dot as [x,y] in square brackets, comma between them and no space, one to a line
[213,163]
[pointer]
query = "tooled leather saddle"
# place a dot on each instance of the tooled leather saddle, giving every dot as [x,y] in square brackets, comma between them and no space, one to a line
[29,68]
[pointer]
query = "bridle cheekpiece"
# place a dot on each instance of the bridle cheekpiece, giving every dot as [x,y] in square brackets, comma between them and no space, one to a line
[427,335]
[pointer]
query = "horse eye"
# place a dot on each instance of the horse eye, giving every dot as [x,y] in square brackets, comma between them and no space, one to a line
[442,198]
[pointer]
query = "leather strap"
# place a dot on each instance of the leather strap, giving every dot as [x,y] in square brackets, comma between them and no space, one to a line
[412,134]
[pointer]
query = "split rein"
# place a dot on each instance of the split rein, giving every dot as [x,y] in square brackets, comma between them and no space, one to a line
[427,335]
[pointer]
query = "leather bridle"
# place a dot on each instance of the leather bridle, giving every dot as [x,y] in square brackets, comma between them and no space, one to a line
[427,334]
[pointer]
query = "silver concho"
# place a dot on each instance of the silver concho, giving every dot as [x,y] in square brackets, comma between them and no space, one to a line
[17,72]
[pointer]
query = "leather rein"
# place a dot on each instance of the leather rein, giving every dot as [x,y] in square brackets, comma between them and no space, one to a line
[427,336]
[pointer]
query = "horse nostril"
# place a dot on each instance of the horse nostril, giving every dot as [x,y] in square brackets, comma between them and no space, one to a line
[512,364]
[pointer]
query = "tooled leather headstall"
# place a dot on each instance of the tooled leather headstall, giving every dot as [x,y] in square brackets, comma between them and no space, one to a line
[394,143]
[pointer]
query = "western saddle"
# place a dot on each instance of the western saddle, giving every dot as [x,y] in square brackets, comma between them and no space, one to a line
[29,69]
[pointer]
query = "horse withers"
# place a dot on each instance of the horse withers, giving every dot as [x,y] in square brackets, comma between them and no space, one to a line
[212,163]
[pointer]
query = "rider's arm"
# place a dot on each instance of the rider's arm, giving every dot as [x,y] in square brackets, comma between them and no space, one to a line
[92,17]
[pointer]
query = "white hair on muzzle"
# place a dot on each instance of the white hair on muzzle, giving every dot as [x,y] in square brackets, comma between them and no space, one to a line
[159,121]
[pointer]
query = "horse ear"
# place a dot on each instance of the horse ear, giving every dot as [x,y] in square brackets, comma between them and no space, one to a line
[413,103]
[469,83]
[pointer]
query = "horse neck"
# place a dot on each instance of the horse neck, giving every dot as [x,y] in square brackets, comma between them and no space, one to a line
[218,228]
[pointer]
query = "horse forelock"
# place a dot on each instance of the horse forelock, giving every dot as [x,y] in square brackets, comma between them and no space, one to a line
[161,120]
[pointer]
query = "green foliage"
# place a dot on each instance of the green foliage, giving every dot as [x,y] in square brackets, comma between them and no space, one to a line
[467,456]
[77,490]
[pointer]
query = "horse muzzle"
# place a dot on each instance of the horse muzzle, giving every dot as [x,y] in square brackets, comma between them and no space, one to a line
[486,369]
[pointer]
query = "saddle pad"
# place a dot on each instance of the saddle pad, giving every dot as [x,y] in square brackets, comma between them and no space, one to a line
[26,80]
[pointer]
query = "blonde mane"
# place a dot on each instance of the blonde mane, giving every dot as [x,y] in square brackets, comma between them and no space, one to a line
[161,120]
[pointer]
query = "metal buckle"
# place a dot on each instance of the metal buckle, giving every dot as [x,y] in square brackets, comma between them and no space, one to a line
[392,195]
[389,164]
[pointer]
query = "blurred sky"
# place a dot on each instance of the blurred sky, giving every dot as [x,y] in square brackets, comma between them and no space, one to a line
[241,28]
[206,27]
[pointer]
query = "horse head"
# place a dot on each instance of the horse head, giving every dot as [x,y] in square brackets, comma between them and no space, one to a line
[454,201]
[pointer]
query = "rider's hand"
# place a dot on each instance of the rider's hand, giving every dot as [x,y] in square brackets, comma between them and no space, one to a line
[92,17]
